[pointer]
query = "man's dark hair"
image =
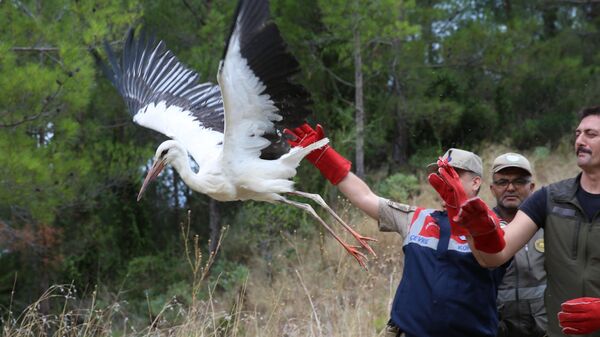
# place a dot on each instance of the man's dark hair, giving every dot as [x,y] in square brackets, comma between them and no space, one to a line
[592,110]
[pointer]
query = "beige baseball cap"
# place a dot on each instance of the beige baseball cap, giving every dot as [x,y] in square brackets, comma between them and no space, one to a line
[511,160]
[461,159]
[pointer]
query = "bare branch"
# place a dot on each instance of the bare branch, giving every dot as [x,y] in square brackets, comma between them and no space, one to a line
[7,234]
[43,113]
[44,51]
[379,41]
[118,124]
[24,8]
[196,16]
[336,77]
[34,49]
[23,121]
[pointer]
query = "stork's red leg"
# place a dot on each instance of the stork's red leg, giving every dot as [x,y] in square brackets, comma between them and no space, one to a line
[352,250]
[363,240]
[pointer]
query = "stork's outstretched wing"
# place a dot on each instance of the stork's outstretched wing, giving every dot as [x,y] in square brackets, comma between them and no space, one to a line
[164,95]
[259,97]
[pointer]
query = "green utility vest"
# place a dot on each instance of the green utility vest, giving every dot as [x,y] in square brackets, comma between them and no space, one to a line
[521,292]
[572,246]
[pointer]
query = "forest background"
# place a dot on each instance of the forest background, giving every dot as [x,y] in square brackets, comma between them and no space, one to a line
[394,83]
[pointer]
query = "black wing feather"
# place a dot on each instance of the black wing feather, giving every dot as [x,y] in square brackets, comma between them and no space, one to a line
[268,57]
[149,73]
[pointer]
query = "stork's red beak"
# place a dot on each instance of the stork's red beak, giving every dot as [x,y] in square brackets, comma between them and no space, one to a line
[157,167]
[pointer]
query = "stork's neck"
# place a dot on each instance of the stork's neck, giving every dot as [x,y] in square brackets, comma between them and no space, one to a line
[202,181]
[191,179]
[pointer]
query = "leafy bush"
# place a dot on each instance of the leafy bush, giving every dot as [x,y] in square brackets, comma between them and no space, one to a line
[541,152]
[423,156]
[151,277]
[400,187]
[228,276]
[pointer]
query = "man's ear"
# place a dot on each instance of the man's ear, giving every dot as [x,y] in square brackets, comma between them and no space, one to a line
[477,182]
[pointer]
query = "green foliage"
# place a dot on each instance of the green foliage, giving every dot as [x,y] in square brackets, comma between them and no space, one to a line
[399,187]
[425,156]
[271,217]
[259,228]
[228,276]
[142,273]
[541,152]
[48,129]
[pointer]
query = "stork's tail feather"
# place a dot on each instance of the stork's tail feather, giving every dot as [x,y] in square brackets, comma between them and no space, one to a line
[316,145]
[297,153]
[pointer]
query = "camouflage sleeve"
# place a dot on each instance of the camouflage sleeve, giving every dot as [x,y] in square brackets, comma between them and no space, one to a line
[395,217]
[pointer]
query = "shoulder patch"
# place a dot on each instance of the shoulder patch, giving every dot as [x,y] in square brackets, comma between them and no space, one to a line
[401,207]
[539,245]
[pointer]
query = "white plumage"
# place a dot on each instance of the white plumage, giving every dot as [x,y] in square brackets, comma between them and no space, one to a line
[233,130]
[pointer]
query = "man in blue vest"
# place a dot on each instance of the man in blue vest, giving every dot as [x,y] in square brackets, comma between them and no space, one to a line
[521,293]
[444,292]
[569,213]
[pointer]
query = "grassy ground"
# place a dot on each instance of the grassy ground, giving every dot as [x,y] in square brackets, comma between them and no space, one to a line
[309,288]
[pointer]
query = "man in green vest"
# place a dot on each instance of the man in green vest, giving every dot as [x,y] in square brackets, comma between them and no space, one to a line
[569,212]
[521,292]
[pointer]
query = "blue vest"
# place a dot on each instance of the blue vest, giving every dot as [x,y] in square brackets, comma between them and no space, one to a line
[443,291]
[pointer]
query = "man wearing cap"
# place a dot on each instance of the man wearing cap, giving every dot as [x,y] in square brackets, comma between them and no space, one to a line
[521,293]
[569,213]
[444,291]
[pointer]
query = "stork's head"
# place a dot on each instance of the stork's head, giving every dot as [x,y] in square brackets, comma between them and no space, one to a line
[166,153]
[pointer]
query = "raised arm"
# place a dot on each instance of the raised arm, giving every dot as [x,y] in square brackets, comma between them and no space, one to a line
[335,168]
[360,195]
[491,245]
[516,235]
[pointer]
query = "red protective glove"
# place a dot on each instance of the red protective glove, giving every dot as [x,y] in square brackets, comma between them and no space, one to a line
[580,316]
[483,225]
[448,186]
[332,165]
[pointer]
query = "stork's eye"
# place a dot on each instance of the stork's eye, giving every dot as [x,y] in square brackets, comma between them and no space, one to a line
[164,153]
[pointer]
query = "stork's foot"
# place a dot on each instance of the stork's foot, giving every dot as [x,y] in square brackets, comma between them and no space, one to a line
[364,241]
[352,250]
[357,254]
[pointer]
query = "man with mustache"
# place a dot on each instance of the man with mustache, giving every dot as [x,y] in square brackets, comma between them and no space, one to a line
[569,213]
[521,293]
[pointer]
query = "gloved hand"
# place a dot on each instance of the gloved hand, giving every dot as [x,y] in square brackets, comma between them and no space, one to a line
[580,316]
[332,165]
[483,225]
[447,184]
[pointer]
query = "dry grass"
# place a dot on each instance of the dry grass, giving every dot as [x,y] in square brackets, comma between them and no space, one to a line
[323,291]
[310,287]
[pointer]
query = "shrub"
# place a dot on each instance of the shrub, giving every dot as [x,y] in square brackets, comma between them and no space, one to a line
[400,187]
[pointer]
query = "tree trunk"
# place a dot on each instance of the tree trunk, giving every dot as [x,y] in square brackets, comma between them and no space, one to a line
[594,13]
[41,137]
[507,9]
[400,149]
[175,195]
[214,221]
[44,284]
[550,16]
[428,35]
[360,109]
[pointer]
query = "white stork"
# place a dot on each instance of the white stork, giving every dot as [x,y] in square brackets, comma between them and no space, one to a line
[234,130]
